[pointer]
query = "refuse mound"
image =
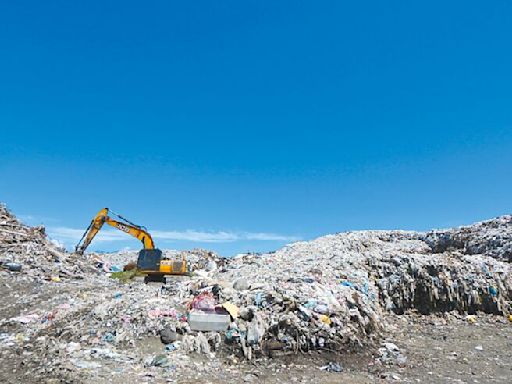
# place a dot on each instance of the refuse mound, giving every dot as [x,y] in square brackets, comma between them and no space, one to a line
[332,292]
[442,283]
[335,294]
[28,248]
[490,238]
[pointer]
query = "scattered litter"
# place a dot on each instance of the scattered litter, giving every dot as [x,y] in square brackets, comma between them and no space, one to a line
[13,267]
[25,319]
[233,310]
[155,313]
[332,367]
[161,361]
[86,364]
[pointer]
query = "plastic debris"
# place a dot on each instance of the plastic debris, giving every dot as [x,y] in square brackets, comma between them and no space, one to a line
[25,319]
[332,367]
[13,267]
[160,361]
[203,302]
[233,310]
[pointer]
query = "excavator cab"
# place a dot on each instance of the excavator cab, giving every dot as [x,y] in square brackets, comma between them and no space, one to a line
[152,261]
[149,260]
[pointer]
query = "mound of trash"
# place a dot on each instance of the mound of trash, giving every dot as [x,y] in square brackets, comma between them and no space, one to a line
[334,293]
[490,238]
[28,248]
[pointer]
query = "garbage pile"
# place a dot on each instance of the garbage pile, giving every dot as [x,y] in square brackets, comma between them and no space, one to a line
[443,283]
[28,249]
[490,238]
[330,294]
[309,295]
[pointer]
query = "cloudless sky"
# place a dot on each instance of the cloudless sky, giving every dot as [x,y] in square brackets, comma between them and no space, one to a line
[252,123]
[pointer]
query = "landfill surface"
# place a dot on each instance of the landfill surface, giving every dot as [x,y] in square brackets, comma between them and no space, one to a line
[357,307]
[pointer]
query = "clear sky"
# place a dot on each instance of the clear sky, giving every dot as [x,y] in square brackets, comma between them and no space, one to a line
[243,125]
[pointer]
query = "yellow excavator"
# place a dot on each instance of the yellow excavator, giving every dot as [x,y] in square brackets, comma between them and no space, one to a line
[150,260]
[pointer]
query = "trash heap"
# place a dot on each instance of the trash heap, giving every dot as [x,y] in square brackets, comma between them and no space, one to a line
[28,248]
[490,238]
[443,283]
[333,293]
[309,295]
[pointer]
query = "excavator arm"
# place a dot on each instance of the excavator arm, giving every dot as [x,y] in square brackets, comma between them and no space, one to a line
[126,226]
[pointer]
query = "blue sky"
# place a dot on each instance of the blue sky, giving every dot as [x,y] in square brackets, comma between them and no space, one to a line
[242,126]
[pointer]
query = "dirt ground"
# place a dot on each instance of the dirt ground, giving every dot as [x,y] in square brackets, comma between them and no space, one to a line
[436,353]
[456,352]
[439,349]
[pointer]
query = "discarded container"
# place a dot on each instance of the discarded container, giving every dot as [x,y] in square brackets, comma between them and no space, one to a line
[203,321]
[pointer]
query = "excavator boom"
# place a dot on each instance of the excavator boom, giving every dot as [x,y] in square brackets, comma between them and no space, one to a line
[137,232]
[103,218]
